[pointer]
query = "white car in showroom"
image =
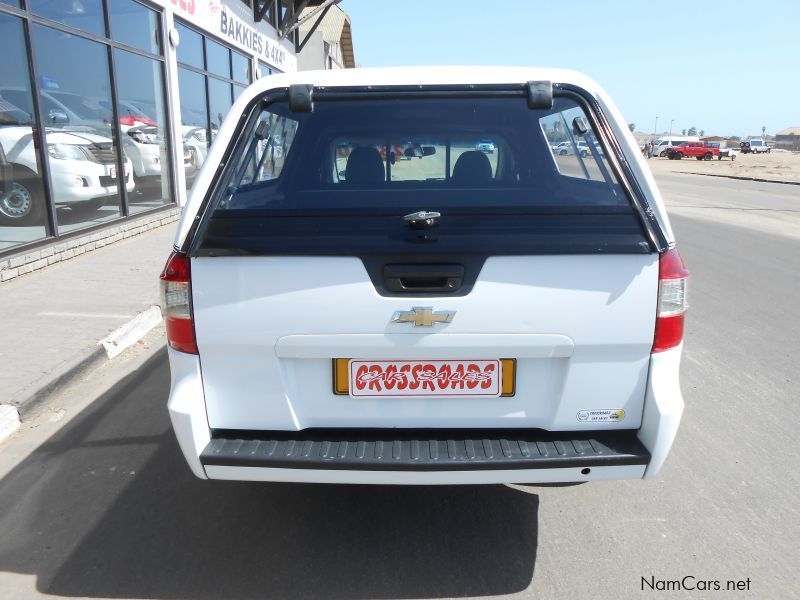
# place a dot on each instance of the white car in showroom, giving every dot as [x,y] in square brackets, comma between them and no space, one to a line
[144,142]
[342,317]
[195,147]
[141,140]
[83,168]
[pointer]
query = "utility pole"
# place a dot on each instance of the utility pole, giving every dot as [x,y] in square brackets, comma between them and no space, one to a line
[671,121]
[655,128]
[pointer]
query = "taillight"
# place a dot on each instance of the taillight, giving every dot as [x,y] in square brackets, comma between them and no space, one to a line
[175,306]
[673,279]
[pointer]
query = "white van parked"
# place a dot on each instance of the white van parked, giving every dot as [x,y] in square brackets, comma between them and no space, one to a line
[756,147]
[662,145]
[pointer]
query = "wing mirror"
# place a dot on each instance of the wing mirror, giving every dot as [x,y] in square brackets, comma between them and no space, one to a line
[57,116]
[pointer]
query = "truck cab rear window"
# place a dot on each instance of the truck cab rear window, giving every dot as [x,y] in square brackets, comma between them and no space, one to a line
[483,154]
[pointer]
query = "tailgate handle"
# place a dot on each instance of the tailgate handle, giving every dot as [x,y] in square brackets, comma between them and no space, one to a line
[423,278]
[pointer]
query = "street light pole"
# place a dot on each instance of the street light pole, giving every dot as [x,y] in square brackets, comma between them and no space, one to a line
[670,125]
[655,128]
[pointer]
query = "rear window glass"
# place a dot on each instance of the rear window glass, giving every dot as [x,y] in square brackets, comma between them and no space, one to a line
[268,149]
[485,154]
[348,178]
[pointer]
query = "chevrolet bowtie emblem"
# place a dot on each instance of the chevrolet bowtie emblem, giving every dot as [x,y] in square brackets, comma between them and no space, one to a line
[423,316]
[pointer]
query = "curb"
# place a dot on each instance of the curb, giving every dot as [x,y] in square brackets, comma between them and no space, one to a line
[131,332]
[32,396]
[9,420]
[740,178]
[106,349]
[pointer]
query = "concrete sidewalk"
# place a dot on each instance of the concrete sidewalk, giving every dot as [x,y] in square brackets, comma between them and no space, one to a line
[52,320]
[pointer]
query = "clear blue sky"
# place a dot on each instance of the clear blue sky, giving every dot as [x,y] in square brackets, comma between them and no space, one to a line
[727,67]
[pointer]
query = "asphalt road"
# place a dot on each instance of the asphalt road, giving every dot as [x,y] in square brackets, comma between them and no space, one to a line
[97,502]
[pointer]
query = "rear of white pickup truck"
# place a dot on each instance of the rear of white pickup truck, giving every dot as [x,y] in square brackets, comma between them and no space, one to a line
[387,277]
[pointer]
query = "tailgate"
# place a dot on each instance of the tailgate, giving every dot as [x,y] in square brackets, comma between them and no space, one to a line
[579,327]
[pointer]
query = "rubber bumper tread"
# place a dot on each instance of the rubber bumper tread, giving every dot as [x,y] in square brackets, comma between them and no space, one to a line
[423,450]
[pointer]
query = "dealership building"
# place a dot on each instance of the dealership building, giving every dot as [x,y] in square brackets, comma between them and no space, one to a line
[107,107]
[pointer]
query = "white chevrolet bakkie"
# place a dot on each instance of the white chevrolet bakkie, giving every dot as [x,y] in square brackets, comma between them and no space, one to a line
[359,295]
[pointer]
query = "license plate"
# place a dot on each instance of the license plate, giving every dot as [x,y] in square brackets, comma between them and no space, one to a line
[112,171]
[419,378]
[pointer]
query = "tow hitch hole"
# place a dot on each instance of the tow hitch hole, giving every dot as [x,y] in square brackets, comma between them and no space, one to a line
[585,471]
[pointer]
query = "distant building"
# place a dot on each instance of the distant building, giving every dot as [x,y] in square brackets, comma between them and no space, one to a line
[767,138]
[788,139]
[326,43]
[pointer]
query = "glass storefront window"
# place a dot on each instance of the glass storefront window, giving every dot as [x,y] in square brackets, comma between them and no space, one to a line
[103,132]
[86,15]
[135,25]
[194,120]
[241,68]
[218,58]
[263,69]
[207,94]
[22,201]
[190,48]
[219,103]
[143,120]
[82,153]
[193,98]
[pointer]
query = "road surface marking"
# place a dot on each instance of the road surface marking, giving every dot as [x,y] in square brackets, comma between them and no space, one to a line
[84,315]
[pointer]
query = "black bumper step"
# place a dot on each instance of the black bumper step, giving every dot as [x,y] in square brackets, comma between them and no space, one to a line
[423,449]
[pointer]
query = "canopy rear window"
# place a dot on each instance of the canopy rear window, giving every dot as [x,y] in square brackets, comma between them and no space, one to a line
[482,153]
[471,159]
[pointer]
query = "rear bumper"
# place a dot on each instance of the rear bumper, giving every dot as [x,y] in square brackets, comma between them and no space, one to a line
[423,456]
[663,408]
[398,456]
[533,476]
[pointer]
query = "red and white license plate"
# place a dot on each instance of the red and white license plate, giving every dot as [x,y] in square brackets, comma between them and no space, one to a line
[481,378]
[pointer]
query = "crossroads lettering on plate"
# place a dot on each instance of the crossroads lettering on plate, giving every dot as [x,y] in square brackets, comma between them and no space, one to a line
[425,378]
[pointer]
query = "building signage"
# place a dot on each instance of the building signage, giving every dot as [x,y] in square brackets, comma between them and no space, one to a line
[186,6]
[228,19]
[235,30]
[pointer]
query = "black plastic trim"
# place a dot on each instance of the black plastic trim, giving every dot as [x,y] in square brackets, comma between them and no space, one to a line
[426,277]
[423,449]
[470,267]
[301,97]
[540,94]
